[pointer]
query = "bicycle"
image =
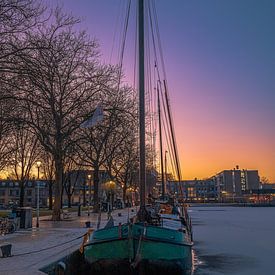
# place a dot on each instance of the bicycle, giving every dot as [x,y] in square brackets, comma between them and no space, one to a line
[7,226]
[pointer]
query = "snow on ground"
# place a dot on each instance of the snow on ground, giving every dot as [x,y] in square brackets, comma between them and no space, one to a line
[64,235]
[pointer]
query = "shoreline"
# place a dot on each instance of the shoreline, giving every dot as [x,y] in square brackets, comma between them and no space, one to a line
[218,204]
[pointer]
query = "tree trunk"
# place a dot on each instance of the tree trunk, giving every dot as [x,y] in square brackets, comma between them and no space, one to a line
[57,189]
[50,194]
[96,188]
[62,192]
[84,194]
[124,193]
[22,193]
[69,195]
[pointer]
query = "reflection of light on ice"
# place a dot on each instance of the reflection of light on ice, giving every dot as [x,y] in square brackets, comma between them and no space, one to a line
[195,260]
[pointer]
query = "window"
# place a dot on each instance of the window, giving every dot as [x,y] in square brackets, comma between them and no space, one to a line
[2,193]
[29,192]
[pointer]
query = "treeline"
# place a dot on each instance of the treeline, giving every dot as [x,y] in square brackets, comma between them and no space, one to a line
[52,80]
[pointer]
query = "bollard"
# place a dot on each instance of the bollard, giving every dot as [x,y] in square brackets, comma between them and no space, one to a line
[79,210]
[88,224]
[6,250]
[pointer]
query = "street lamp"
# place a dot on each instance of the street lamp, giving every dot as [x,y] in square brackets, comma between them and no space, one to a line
[84,193]
[90,187]
[38,164]
[110,186]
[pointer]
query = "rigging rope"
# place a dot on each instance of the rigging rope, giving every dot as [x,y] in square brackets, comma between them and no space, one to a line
[115,30]
[167,108]
[154,80]
[126,23]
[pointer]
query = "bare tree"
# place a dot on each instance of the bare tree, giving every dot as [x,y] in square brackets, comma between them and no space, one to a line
[264,180]
[49,173]
[99,145]
[71,176]
[23,157]
[123,166]
[6,109]
[121,153]
[56,81]
[61,75]
[16,18]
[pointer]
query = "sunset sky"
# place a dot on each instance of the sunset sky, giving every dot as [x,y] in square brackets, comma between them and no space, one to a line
[220,63]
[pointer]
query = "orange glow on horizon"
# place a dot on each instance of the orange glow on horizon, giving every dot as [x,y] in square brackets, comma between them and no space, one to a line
[208,150]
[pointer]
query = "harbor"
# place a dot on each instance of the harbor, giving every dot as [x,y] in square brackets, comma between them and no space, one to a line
[36,248]
[136,137]
[238,250]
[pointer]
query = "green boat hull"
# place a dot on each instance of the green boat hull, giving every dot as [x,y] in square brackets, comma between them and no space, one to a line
[141,247]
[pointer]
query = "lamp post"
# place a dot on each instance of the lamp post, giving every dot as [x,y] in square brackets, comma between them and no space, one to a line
[84,193]
[38,164]
[110,187]
[90,187]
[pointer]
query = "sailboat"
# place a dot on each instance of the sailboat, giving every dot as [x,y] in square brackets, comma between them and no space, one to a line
[151,242]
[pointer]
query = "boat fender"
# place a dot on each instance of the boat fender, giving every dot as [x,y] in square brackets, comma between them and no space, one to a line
[122,230]
[85,240]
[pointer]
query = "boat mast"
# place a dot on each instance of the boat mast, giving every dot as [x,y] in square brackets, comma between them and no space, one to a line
[142,168]
[165,171]
[175,150]
[160,146]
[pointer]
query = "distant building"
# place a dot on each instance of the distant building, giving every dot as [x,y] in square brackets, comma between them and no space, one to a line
[10,193]
[78,183]
[264,195]
[194,190]
[232,184]
[268,186]
[225,186]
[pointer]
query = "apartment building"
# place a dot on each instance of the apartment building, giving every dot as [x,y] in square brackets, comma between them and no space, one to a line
[10,193]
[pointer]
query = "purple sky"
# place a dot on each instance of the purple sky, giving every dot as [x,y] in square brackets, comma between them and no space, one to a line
[220,63]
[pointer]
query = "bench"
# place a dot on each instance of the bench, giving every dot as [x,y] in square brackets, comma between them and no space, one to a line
[66,214]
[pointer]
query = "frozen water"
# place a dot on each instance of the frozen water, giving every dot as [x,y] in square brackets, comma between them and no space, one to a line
[234,240]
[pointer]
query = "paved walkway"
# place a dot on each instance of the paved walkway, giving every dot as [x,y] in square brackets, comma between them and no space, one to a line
[62,238]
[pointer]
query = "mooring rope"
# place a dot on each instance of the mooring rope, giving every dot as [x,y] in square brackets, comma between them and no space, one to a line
[50,247]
